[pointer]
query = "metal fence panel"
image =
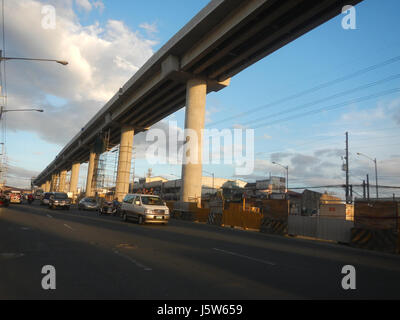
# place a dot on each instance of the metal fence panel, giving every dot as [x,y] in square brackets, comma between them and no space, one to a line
[302,226]
[338,230]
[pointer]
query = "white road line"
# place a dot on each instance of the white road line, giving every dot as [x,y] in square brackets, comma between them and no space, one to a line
[133,261]
[49,216]
[7,256]
[246,257]
[68,226]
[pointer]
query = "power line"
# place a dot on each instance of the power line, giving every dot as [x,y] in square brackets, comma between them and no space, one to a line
[311,90]
[336,95]
[331,107]
[316,140]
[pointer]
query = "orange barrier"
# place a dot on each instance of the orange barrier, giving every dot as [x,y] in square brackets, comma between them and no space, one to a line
[234,216]
[170,205]
[201,214]
[376,214]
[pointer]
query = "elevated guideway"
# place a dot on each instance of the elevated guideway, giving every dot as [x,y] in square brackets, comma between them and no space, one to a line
[223,39]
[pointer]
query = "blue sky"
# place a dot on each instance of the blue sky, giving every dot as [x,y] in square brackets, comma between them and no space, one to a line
[311,145]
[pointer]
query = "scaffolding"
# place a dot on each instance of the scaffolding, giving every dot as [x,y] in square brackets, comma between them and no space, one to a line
[105,173]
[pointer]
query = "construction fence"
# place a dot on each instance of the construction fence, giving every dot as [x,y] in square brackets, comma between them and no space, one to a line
[368,225]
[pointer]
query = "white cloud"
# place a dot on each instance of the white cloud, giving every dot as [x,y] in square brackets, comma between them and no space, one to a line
[101,59]
[98,4]
[149,27]
[368,116]
[89,5]
[84,4]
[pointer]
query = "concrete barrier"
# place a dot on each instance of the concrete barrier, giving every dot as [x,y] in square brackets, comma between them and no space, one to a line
[384,240]
[274,226]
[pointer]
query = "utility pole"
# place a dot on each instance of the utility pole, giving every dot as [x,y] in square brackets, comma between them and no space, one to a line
[376,178]
[368,187]
[364,189]
[351,193]
[347,167]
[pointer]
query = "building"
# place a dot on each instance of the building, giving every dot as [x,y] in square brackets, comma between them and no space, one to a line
[274,187]
[171,189]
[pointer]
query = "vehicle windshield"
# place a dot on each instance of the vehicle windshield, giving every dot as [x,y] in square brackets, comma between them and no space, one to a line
[60,196]
[91,200]
[152,201]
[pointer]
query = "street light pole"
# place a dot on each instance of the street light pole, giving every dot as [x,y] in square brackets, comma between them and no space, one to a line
[2,110]
[287,174]
[64,63]
[376,171]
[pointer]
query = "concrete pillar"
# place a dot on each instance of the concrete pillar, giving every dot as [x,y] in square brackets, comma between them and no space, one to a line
[47,186]
[54,182]
[124,162]
[63,177]
[91,169]
[73,184]
[196,91]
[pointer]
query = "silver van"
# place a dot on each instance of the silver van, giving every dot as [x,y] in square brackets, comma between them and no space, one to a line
[144,208]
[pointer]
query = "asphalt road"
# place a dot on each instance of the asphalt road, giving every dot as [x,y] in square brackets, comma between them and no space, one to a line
[102,257]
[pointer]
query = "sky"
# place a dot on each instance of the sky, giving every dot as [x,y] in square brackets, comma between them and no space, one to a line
[300,100]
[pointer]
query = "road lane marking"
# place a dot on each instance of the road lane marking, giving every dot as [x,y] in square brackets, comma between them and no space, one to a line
[49,216]
[65,225]
[6,256]
[145,268]
[126,246]
[246,257]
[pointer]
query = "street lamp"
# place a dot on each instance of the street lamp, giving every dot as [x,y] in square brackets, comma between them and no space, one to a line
[287,174]
[64,63]
[2,110]
[376,170]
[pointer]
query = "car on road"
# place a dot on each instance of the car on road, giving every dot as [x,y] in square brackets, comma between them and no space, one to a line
[15,197]
[59,200]
[4,200]
[144,208]
[38,194]
[45,198]
[88,204]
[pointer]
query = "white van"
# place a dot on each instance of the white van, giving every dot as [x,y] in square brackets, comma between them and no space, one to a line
[144,208]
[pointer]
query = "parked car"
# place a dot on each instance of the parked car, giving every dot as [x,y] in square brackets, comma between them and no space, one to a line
[4,200]
[144,209]
[59,200]
[45,198]
[88,204]
[15,197]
